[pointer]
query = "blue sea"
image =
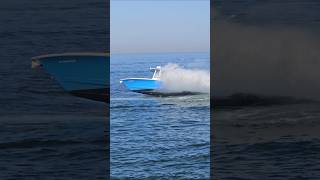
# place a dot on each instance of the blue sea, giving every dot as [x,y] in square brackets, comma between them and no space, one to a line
[48,134]
[158,137]
[45,132]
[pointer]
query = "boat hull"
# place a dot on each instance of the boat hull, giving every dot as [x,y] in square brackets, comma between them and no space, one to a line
[141,84]
[82,74]
[151,87]
[160,93]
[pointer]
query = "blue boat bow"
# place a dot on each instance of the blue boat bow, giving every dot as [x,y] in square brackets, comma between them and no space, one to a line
[82,74]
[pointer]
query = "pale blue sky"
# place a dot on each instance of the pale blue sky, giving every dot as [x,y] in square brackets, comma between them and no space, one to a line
[139,26]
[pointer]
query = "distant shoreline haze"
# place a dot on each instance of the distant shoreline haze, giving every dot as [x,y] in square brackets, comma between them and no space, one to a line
[164,52]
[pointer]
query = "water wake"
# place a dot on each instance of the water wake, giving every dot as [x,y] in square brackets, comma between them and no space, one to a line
[268,61]
[179,79]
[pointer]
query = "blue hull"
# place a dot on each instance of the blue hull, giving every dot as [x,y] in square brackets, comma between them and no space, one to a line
[151,87]
[136,84]
[82,74]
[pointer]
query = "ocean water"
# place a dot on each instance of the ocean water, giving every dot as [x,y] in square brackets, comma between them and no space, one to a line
[45,132]
[158,137]
[268,142]
[268,137]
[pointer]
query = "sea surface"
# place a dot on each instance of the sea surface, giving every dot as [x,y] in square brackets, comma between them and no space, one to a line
[46,133]
[158,137]
[277,140]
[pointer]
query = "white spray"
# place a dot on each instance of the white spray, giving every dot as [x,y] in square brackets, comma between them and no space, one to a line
[178,79]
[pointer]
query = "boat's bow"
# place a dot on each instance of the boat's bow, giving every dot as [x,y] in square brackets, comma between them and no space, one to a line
[82,74]
[141,84]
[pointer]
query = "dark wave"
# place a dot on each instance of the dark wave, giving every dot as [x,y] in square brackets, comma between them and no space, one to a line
[247,161]
[242,99]
[167,94]
[32,143]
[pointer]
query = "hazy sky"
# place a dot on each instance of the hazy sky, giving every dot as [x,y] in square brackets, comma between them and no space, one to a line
[160,26]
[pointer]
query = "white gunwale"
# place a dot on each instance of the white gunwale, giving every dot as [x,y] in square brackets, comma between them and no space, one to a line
[71,54]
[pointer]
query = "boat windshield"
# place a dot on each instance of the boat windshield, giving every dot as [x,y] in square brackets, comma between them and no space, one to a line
[157,73]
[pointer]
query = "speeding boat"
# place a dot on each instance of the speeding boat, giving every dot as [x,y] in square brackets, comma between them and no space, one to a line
[145,85]
[152,86]
[81,74]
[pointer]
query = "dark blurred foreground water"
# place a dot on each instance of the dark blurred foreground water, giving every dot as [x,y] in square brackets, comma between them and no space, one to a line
[272,141]
[46,133]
